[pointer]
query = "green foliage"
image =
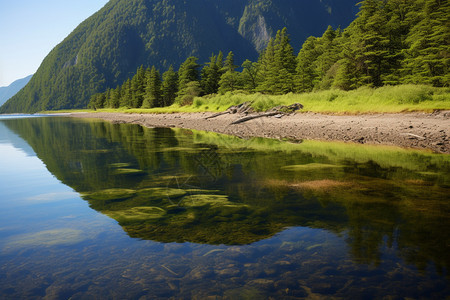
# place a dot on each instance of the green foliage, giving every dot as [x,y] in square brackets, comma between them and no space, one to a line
[153,95]
[188,72]
[230,79]
[169,87]
[391,42]
[210,75]
[388,99]
[427,53]
[249,75]
[192,90]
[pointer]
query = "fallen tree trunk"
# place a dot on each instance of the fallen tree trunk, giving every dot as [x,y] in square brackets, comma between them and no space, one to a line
[248,118]
[275,111]
[243,108]
[218,114]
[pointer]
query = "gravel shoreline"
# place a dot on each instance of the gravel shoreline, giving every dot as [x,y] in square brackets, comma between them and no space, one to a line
[409,130]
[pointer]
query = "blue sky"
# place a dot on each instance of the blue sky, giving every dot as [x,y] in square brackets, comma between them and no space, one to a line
[29,29]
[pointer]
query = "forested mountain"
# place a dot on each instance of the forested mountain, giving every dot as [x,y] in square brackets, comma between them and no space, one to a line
[7,92]
[108,47]
[391,42]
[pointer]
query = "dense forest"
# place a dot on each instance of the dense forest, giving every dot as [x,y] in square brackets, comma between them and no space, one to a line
[108,47]
[391,42]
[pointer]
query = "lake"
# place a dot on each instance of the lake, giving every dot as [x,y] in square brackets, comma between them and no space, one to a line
[95,210]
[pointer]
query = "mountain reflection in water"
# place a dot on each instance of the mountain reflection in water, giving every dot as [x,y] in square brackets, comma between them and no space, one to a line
[174,185]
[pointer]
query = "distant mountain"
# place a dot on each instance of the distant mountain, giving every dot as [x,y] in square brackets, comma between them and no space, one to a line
[7,92]
[108,47]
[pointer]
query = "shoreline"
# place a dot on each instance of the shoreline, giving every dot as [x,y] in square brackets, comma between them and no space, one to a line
[426,131]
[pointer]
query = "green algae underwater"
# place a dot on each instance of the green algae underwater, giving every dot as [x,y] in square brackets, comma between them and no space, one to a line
[386,205]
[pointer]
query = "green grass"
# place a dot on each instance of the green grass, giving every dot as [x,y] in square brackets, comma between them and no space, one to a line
[387,99]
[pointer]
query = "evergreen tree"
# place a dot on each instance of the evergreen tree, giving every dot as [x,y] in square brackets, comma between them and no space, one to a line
[278,65]
[153,90]
[219,62]
[306,76]
[116,95]
[265,62]
[210,76]
[428,54]
[249,75]
[192,90]
[169,87]
[107,98]
[229,81]
[325,64]
[97,101]
[370,42]
[188,72]
[138,83]
[344,77]
[229,65]
[126,94]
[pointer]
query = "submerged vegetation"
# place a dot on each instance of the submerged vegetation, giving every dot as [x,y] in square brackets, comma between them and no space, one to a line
[226,190]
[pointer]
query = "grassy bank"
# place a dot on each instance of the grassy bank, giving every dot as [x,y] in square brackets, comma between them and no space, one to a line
[364,100]
[388,99]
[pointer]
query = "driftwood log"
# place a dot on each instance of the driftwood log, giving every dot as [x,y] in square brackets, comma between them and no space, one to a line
[243,108]
[277,111]
[246,108]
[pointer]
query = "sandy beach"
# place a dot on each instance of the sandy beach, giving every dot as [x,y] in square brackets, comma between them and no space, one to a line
[409,130]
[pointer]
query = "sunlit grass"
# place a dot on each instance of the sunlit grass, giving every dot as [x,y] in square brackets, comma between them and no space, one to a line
[387,99]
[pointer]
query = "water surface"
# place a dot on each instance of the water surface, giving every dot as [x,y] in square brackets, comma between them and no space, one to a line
[90,209]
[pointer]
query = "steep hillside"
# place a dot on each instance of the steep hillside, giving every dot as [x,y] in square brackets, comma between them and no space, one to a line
[7,92]
[108,47]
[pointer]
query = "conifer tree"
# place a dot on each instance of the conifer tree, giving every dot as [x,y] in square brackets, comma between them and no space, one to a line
[210,76]
[126,94]
[153,90]
[138,83]
[192,90]
[97,101]
[229,65]
[249,75]
[229,81]
[188,72]
[329,51]
[278,65]
[107,98]
[219,62]
[306,76]
[370,42]
[265,61]
[115,97]
[169,87]
[428,54]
